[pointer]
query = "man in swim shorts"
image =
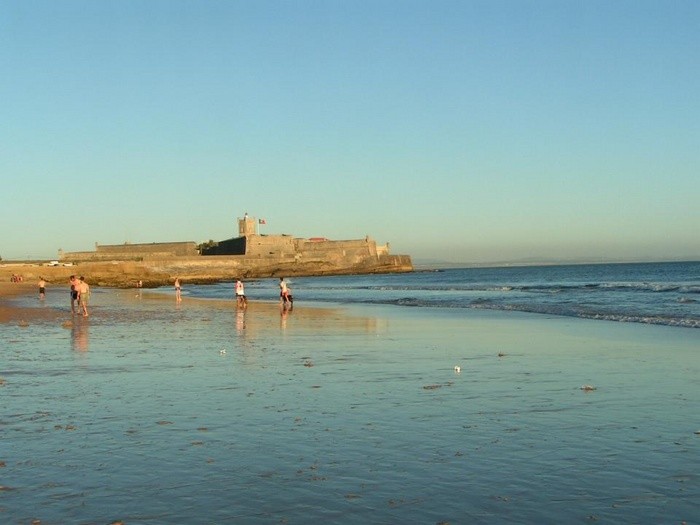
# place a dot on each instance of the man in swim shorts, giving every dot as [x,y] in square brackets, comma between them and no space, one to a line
[83,295]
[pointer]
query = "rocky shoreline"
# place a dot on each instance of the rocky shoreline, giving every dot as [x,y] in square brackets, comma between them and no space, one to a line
[125,274]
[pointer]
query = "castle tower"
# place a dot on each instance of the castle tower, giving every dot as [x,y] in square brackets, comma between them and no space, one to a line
[246,226]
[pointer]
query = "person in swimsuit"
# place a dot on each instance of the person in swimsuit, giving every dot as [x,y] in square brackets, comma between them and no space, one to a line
[84,295]
[290,299]
[42,288]
[178,296]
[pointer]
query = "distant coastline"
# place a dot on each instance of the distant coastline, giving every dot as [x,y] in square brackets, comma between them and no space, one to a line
[430,264]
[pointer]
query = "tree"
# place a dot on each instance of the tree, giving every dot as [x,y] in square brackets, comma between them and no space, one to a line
[205,245]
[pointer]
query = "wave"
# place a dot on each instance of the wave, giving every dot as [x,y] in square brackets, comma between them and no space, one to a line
[664,294]
[684,322]
[558,310]
[531,288]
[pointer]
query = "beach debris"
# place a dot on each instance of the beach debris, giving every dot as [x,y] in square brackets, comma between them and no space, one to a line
[588,388]
[501,354]
[23,323]
[458,369]
[393,503]
[436,386]
[2,381]
[222,351]
[308,363]
[67,427]
[67,324]
[164,422]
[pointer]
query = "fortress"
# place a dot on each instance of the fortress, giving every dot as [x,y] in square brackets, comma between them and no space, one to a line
[250,254]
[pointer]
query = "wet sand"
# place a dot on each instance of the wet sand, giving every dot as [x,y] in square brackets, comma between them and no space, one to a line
[153,412]
[14,305]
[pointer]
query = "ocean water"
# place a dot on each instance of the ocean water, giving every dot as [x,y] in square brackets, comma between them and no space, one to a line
[653,293]
[152,412]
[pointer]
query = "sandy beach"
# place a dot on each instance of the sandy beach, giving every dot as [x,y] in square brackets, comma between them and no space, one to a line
[153,412]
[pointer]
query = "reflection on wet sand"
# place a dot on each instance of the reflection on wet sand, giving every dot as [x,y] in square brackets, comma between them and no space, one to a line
[79,336]
[210,415]
[284,313]
[240,322]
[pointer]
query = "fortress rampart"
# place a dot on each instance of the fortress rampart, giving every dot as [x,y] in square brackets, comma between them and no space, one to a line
[174,248]
[132,252]
[250,255]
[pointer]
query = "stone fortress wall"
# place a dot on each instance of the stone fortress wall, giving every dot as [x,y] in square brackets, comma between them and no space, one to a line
[257,246]
[252,254]
[132,252]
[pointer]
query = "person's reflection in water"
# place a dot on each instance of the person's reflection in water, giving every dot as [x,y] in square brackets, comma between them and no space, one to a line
[284,313]
[249,353]
[240,322]
[79,335]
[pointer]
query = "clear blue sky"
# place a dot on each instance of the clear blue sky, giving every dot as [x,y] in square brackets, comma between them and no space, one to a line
[461,130]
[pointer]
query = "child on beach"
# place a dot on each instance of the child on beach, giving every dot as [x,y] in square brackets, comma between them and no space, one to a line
[42,288]
[74,293]
[285,296]
[241,299]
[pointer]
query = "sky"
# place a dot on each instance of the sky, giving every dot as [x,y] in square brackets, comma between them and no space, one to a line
[460,131]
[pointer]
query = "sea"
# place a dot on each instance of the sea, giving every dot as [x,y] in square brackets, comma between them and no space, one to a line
[653,293]
[557,394]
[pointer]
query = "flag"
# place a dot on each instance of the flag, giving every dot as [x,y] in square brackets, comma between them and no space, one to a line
[262,221]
